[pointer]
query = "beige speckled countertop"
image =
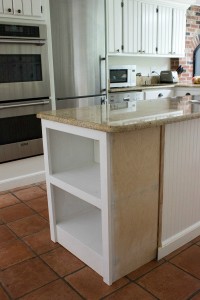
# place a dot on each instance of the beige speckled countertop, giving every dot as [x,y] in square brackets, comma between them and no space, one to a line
[155,87]
[149,113]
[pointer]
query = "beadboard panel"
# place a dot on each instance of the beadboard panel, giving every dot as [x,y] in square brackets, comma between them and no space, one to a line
[181,186]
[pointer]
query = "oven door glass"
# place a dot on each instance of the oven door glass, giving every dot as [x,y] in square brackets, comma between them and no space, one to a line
[24,71]
[20,68]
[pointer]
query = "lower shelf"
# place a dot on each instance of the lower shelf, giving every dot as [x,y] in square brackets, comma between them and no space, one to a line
[82,236]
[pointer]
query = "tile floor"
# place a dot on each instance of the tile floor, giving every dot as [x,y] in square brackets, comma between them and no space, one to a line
[35,268]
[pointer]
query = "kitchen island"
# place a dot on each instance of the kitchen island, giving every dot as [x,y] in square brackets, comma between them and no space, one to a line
[123,185]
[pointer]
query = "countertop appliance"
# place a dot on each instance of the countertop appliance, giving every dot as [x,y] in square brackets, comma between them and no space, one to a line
[24,88]
[78,43]
[168,77]
[122,76]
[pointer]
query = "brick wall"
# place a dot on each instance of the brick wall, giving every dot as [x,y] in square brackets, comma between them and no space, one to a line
[192,41]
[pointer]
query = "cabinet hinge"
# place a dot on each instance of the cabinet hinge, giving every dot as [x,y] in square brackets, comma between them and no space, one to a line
[122,4]
[41,9]
[156,49]
[157,10]
[122,47]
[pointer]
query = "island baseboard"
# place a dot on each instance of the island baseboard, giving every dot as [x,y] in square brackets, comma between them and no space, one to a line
[178,240]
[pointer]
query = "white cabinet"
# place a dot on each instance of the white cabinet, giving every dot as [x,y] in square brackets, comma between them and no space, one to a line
[114,19]
[164,30]
[182,91]
[144,28]
[178,32]
[171,31]
[139,27]
[158,94]
[31,8]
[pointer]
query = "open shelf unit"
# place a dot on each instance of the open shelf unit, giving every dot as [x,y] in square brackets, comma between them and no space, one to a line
[76,164]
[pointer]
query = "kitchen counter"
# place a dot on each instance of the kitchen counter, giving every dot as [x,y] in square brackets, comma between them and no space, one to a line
[121,194]
[149,113]
[154,86]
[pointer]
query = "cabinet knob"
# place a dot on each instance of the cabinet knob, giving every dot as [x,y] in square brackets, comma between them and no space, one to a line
[160,95]
[143,51]
[139,51]
[19,11]
[187,94]
[9,9]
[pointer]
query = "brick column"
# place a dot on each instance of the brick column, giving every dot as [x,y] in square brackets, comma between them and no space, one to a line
[192,41]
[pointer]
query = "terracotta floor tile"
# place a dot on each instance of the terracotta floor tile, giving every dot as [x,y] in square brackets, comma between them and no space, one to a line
[189,260]
[178,251]
[91,286]
[38,204]
[62,261]
[25,277]
[15,212]
[45,214]
[13,252]
[41,242]
[28,225]
[3,295]
[144,269]
[131,292]
[56,290]
[7,200]
[30,193]
[6,234]
[167,282]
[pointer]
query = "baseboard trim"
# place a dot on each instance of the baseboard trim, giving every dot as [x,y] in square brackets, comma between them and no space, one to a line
[23,180]
[178,240]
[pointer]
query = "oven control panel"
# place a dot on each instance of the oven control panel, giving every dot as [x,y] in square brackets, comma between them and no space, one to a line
[125,97]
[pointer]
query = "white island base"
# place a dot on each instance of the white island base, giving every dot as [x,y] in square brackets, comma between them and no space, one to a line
[103,195]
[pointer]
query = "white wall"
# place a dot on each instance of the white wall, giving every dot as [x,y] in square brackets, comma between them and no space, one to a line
[144,65]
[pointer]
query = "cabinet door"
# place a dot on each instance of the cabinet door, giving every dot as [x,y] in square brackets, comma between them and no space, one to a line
[132,26]
[36,8]
[149,28]
[1,6]
[17,7]
[164,30]
[114,23]
[8,7]
[178,31]
[27,7]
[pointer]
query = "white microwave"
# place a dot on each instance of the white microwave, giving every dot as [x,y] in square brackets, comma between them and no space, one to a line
[122,76]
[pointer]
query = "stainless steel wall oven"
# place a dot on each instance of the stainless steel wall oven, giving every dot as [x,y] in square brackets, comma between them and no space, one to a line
[24,89]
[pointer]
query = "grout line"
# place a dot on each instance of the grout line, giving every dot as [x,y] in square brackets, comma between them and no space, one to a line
[178,267]
[5,291]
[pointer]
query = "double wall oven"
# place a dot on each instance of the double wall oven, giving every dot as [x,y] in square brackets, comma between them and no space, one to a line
[24,89]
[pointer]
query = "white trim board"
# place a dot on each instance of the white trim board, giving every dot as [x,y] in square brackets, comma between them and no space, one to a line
[21,172]
[178,240]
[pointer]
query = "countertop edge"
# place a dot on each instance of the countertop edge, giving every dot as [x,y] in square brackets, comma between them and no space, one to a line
[119,128]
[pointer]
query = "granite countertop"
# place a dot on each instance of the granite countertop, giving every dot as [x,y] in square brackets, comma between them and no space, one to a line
[155,87]
[149,113]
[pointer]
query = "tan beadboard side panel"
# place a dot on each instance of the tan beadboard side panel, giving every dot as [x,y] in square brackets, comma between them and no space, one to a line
[181,193]
[135,160]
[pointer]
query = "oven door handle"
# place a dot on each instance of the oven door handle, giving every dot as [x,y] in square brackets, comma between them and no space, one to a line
[38,42]
[24,104]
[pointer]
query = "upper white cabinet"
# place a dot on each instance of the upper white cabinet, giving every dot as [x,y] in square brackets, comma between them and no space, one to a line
[164,30]
[114,19]
[139,27]
[145,28]
[178,31]
[171,31]
[30,8]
